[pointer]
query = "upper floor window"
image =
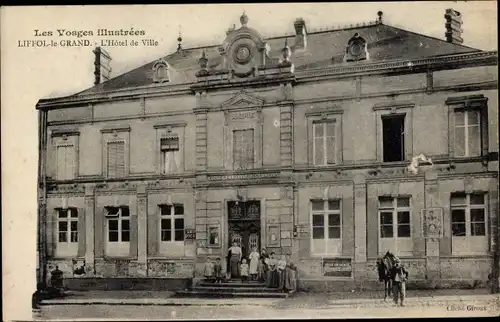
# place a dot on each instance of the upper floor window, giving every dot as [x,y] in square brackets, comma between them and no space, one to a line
[468,130]
[170,155]
[393,130]
[469,224]
[467,133]
[395,225]
[243,149]
[66,161]
[116,159]
[326,218]
[324,142]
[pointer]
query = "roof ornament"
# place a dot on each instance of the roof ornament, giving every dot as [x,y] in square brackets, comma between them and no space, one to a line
[179,40]
[380,14]
[286,52]
[244,19]
[203,61]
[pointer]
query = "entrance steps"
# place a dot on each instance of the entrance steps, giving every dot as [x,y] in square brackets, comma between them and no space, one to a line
[232,289]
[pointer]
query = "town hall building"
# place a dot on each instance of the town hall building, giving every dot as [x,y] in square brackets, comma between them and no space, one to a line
[334,146]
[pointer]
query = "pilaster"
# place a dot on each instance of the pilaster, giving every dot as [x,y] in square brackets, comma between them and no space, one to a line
[360,219]
[142,226]
[201,139]
[286,135]
[89,230]
[432,244]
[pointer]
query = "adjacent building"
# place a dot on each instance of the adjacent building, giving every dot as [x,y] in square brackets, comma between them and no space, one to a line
[334,146]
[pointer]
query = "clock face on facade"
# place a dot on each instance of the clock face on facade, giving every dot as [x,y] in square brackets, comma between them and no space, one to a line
[242,54]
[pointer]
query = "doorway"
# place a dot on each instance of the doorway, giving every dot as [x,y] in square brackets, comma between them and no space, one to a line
[244,225]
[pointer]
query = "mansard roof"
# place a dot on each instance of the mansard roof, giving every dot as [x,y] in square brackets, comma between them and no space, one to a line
[323,49]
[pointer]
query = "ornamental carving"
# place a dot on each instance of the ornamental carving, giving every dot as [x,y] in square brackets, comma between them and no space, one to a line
[160,72]
[356,49]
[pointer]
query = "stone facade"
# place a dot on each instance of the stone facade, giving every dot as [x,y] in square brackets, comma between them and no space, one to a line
[280,109]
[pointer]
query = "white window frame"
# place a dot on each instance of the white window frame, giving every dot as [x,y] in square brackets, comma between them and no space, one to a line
[176,153]
[326,147]
[70,246]
[118,248]
[171,247]
[468,244]
[332,246]
[400,246]
[466,126]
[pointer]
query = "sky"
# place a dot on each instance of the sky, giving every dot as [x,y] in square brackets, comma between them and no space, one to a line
[29,74]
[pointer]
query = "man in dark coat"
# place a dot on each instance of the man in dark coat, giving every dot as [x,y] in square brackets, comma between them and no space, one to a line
[399,275]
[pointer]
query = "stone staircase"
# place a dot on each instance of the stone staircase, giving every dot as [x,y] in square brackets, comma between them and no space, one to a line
[232,289]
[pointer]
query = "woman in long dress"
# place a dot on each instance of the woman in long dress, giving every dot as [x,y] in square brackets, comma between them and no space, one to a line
[234,260]
[272,273]
[264,257]
[290,280]
[254,263]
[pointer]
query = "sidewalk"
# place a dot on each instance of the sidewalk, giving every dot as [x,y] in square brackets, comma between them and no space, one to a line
[300,300]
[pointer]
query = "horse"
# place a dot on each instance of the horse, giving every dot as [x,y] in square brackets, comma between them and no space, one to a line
[384,266]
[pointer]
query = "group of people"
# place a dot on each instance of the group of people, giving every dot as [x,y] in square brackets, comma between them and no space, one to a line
[263,267]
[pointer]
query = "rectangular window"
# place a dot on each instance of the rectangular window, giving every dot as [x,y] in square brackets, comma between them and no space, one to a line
[65,162]
[67,223]
[170,155]
[116,159]
[324,149]
[393,138]
[118,230]
[172,223]
[326,223]
[243,149]
[467,133]
[395,225]
[469,223]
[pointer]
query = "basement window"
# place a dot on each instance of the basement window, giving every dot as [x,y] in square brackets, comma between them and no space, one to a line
[393,138]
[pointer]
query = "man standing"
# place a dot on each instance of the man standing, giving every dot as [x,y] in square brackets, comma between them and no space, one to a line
[399,276]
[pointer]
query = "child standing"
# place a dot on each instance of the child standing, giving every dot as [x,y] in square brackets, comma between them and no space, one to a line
[281,272]
[244,270]
[254,263]
[218,270]
[209,270]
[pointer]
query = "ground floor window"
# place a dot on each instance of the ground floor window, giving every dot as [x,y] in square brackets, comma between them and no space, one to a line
[67,232]
[118,231]
[469,223]
[172,229]
[326,223]
[395,226]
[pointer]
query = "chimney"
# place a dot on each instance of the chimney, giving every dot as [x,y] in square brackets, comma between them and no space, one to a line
[102,67]
[300,34]
[453,26]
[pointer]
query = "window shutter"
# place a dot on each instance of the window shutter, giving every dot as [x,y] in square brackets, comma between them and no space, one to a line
[70,162]
[116,159]
[330,143]
[61,163]
[248,148]
[237,148]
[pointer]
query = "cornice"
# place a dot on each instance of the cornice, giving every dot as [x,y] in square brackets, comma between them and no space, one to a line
[454,61]
[402,66]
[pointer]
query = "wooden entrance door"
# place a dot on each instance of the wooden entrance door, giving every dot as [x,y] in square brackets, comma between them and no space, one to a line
[244,225]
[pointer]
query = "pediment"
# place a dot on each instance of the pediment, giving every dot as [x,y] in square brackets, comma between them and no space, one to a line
[241,100]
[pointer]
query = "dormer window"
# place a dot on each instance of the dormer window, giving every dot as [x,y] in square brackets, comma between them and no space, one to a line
[356,49]
[160,72]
